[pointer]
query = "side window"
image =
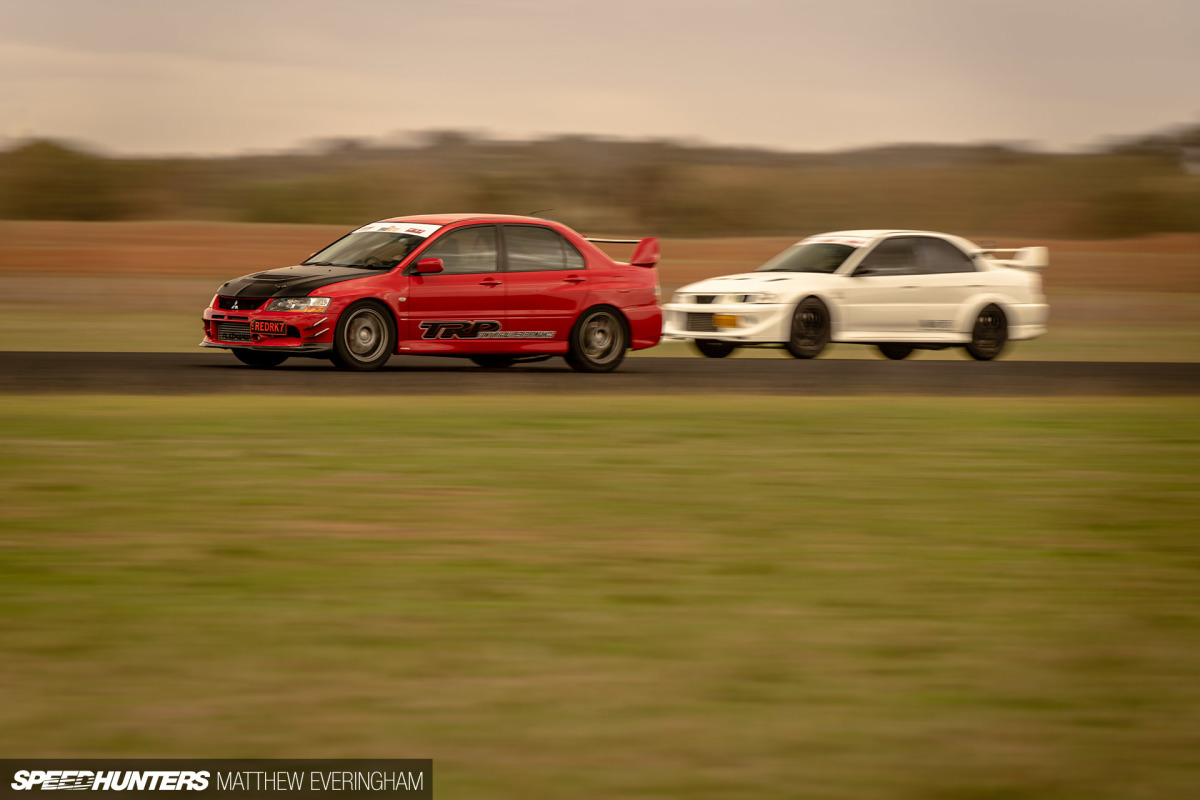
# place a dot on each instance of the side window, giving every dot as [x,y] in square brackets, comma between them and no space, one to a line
[466,251]
[531,248]
[574,257]
[937,256]
[890,257]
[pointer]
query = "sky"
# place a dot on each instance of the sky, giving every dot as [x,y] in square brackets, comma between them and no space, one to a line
[142,77]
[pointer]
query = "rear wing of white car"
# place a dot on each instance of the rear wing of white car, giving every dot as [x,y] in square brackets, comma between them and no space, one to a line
[1019,257]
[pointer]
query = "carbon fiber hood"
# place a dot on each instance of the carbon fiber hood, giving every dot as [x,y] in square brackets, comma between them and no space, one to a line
[291,281]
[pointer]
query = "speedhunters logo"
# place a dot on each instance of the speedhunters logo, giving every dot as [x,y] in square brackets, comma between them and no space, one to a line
[116,780]
[475,329]
[410,777]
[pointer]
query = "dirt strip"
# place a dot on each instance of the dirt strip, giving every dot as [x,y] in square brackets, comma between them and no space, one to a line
[208,373]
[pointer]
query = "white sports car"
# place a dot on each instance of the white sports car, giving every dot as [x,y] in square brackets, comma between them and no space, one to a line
[896,290]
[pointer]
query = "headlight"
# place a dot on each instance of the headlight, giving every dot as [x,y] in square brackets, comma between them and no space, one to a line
[298,304]
[676,298]
[758,297]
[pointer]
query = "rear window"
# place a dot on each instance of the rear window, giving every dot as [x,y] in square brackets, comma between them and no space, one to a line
[937,256]
[533,249]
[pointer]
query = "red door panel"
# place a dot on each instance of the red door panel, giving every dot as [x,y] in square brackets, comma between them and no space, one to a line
[545,301]
[454,310]
[548,283]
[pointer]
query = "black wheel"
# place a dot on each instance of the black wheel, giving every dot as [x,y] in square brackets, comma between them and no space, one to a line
[364,337]
[260,359]
[810,329]
[989,335]
[896,352]
[711,348]
[598,341]
[494,361]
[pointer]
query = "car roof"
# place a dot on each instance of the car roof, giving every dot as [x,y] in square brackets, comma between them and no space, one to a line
[875,233]
[446,219]
[879,233]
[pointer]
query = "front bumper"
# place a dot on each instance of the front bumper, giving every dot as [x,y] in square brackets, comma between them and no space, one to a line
[306,334]
[754,322]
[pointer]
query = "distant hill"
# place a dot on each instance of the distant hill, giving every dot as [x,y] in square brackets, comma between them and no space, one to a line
[1129,186]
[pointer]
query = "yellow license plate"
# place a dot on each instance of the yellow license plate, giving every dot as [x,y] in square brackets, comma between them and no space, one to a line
[725,320]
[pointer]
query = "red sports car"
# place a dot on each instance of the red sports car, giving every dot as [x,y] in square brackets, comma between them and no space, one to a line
[492,288]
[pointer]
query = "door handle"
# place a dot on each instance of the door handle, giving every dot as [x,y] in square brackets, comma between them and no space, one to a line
[908,287]
[490,282]
[574,279]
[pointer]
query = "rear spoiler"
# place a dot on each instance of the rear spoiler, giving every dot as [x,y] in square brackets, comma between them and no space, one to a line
[644,255]
[1020,257]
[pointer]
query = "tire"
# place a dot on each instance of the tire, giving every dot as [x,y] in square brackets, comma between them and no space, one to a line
[810,329]
[989,334]
[598,341]
[711,348]
[364,338]
[259,359]
[894,351]
[494,361]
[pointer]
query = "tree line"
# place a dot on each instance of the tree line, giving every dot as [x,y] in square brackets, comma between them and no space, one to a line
[1137,186]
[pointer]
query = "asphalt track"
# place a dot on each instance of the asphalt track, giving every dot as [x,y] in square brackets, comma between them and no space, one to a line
[208,373]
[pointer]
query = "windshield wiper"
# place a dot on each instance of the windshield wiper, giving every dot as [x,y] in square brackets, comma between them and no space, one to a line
[377,265]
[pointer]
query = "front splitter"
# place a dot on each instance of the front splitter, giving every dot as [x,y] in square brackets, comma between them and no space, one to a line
[304,350]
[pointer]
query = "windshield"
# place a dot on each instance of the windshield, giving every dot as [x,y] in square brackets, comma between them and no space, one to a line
[367,249]
[811,257]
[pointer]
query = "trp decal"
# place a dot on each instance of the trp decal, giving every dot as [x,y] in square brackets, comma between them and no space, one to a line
[475,329]
[458,328]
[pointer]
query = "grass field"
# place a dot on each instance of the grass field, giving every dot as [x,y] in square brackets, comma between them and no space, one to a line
[588,598]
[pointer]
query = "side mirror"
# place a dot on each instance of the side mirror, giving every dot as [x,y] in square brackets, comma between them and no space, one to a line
[888,270]
[430,266]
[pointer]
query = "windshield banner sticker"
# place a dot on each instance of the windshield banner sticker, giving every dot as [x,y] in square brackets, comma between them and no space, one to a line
[410,228]
[853,241]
